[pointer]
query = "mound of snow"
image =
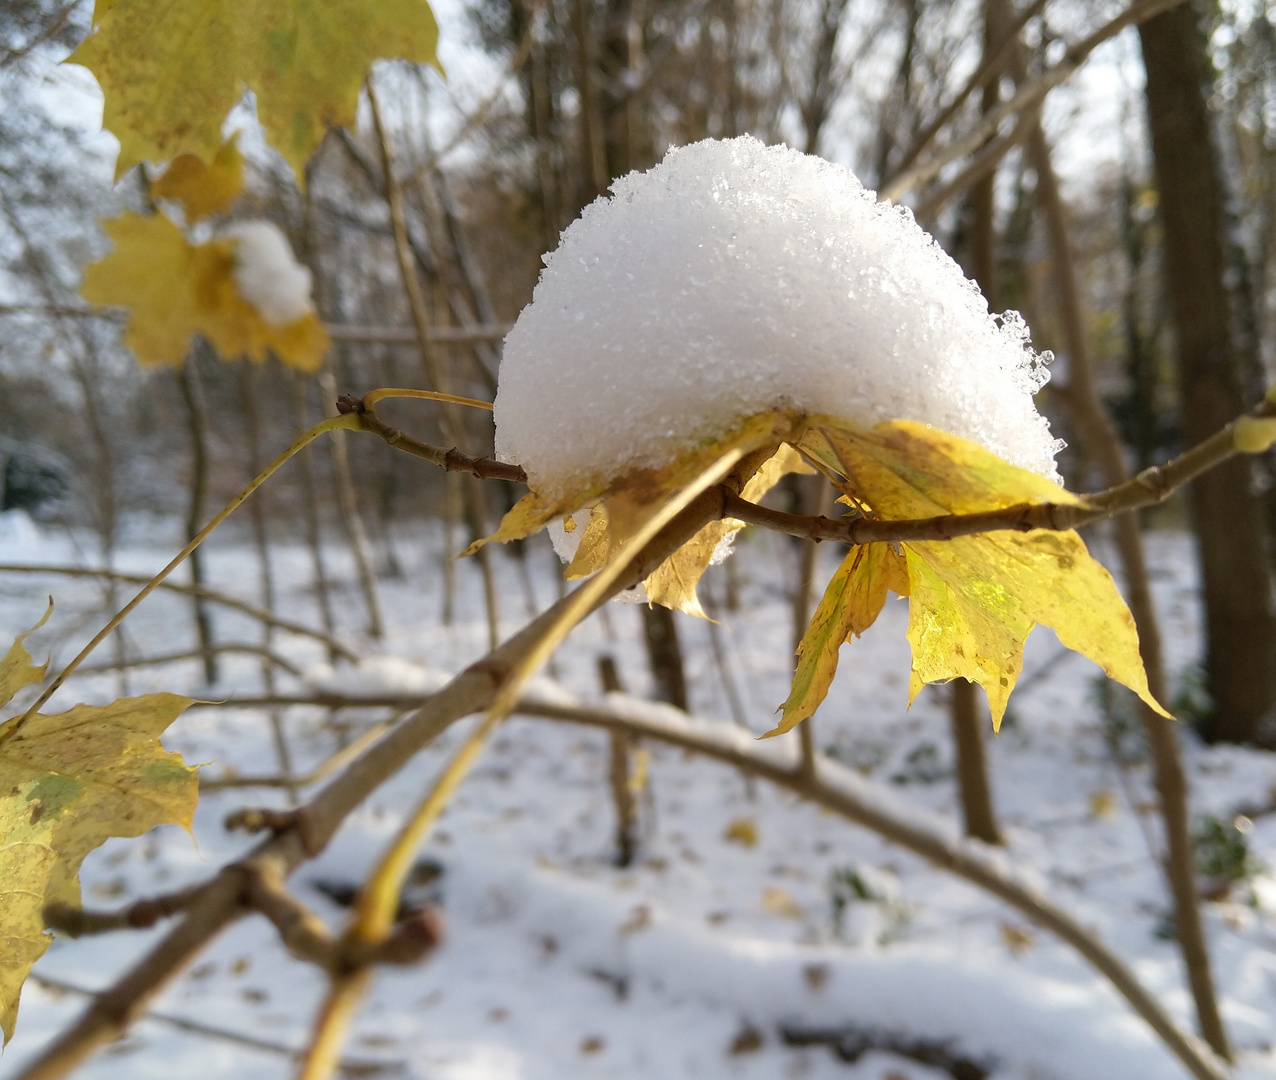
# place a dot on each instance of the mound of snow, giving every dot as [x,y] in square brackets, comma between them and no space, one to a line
[734,278]
[268,275]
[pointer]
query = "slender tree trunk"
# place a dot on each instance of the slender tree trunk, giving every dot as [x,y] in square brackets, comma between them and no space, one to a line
[197,427]
[665,655]
[249,384]
[1227,517]
[348,507]
[311,516]
[966,717]
[621,746]
[1099,438]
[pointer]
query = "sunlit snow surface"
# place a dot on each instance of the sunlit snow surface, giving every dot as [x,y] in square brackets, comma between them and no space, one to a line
[736,277]
[558,965]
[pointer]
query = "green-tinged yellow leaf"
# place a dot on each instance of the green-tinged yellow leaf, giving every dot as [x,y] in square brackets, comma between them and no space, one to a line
[975,599]
[908,470]
[175,289]
[673,583]
[202,189]
[171,70]
[16,669]
[67,783]
[851,603]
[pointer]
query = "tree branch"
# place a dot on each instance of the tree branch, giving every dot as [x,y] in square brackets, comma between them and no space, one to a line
[312,825]
[844,792]
[992,66]
[1027,97]
[198,590]
[453,460]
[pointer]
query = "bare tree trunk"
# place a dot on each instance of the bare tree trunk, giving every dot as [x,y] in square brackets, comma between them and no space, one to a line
[1099,438]
[1241,633]
[665,654]
[822,88]
[453,422]
[249,383]
[197,428]
[618,773]
[310,509]
[966,718]
[348,506]
[594,172]
[968,722]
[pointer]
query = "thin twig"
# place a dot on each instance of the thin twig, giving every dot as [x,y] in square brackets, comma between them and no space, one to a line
[406,335]
[203,590]
[137,916]
[304,440]
[346,754]
[991,67]
[173,658]
[453,459]
[479,116]
[1025,98]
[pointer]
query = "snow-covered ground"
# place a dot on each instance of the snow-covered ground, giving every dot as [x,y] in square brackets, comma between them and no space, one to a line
[694,961]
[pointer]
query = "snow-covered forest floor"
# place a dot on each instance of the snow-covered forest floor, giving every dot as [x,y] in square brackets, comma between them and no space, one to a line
[748,915]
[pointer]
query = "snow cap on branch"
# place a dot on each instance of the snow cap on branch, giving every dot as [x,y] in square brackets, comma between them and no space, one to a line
[734,278]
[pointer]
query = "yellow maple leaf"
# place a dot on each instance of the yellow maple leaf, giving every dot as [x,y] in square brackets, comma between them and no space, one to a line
[974,599]
[202,189]
[673,583]
[851,603]
[171,71]
[68,782]
[629,500]
[175,289]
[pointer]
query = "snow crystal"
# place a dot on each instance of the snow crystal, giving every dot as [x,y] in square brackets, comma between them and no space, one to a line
[267,275]
[734,278]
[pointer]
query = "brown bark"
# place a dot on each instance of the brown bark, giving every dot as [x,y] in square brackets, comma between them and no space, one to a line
[965,716]
[621,747]
[1099,438]
[1227,518]
[197,428]
[665,654]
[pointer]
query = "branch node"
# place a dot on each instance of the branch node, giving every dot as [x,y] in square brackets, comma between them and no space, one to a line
[494,668]
[76,921]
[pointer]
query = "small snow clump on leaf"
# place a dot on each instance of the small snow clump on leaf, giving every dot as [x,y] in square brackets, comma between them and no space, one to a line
[734,278]
[267,274]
